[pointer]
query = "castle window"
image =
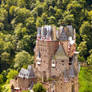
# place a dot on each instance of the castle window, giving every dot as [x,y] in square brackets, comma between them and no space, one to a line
[16,78]
[53,63]
[38,58]
[62,61]
[70,61]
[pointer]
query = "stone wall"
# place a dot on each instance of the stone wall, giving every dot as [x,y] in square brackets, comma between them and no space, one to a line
[47,50]
[22,83]
[60,66]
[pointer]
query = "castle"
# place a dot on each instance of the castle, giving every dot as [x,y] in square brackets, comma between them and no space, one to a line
[55,63]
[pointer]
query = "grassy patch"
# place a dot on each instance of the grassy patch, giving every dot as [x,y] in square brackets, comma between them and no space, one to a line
[85,79]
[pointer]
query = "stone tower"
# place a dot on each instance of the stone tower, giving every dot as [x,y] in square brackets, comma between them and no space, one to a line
[56,58]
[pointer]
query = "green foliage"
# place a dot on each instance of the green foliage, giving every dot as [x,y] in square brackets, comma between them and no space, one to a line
[90,15]
[85,28]
[3,14]
[1,78]
[6,88]
[52,20]
[0,89]
[22,58]
[89,59]
[39,88]
[85,79]
[82,48]
[81,58]
[86,33]
[11,74]
[26,91]
[39,22]
[5,56]
[68,19]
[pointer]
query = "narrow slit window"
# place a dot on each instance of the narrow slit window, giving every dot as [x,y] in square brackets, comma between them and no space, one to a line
[53,63]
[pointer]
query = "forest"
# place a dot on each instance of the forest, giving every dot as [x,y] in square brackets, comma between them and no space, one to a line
[19,20]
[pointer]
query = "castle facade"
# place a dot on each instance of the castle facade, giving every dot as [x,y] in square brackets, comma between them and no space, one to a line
[56,58]
[55,65]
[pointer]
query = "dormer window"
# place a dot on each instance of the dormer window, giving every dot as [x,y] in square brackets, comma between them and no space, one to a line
[53,63]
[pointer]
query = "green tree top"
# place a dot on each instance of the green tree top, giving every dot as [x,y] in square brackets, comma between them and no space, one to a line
[22,58]
[39,88]
[11,74]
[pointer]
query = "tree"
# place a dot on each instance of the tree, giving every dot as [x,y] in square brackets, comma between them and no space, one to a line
[22,58]
[11,74]
[5,56]
[68,19]
[1,78]
[52,20]
[82,49]
[85,28]
[90,15]
[3,14]
[86,33]
[81,58]
[44,18]
[21,3]
[89,59]
[39,22]
[39,88]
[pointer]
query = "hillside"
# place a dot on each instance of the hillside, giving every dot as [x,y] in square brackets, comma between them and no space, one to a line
[19,20]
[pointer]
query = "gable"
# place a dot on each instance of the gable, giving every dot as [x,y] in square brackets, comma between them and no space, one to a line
[60,53]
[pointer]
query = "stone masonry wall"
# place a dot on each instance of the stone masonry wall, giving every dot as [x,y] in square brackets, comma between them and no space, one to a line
[47,50]
[61,65]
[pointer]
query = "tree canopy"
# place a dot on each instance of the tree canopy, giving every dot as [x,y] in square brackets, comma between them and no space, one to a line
[22,58]
[39,88]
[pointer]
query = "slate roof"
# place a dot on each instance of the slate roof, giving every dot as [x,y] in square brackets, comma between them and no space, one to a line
[71,31]
[26,73]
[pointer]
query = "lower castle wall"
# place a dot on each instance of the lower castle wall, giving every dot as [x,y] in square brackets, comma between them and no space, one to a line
[59,67]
